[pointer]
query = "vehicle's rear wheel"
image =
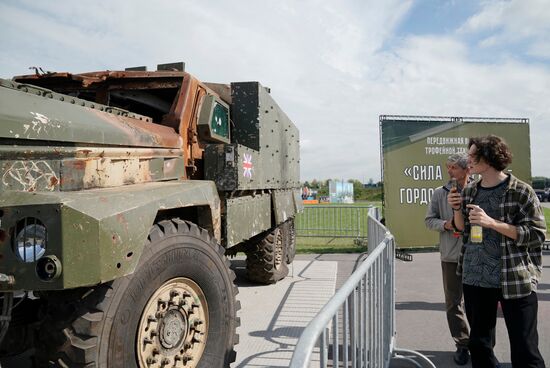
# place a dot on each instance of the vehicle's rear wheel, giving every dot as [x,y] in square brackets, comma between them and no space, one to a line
[177,309]
[289,235]
[266,259]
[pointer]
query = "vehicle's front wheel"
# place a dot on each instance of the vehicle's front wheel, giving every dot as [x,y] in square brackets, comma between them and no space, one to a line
[177,309]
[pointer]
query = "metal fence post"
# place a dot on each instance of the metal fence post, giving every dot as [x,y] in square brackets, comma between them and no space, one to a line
[367,301]
[321,221]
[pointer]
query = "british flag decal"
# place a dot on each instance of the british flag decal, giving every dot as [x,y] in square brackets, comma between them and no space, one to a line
[247,165]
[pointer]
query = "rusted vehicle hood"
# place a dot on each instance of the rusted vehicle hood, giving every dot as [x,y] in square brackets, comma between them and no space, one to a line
[36,114]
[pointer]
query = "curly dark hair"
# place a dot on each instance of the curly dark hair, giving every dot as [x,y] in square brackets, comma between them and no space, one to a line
[493,150]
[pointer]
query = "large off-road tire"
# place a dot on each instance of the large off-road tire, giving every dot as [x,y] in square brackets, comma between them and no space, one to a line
[179,306]
[266,259]
[289,237]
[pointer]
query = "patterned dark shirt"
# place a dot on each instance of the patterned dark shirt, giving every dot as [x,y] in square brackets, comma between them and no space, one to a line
[481,264]
[521,259]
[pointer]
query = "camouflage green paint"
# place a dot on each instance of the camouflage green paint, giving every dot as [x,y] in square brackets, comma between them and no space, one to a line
[247,216]
[31,115]
[225,164]
[262,127]
[97,234]
[284,206]
[213,123]
[34,113]
[97,176]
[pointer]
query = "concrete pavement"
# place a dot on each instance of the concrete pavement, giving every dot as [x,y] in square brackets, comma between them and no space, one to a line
[420,312]
[420,317]
[273,317]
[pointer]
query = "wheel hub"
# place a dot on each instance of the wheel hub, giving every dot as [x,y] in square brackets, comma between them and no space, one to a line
[173,327]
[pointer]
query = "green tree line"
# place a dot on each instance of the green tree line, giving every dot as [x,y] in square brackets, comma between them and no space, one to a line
[541,182]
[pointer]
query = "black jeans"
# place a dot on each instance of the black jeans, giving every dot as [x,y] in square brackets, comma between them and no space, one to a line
[520,316]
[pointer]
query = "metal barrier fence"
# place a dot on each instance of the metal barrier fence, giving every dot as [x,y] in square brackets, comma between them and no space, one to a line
[333,222]
[356,328]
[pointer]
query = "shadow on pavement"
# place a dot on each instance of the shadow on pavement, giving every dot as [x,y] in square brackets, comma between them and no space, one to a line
[270,341]
[441,359]
[416,305]
[438,358]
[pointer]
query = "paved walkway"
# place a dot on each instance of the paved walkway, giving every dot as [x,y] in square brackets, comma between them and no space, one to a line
[274,316]
[420,317]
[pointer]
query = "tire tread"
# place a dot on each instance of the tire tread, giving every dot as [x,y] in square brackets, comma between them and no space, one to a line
[76,345]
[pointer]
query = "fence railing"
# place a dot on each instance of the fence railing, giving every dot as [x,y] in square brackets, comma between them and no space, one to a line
[357,326]
[333,222]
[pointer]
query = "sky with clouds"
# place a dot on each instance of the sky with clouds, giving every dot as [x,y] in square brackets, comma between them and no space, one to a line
[333,66]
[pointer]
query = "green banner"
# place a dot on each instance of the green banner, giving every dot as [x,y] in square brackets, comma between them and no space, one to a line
[414,154]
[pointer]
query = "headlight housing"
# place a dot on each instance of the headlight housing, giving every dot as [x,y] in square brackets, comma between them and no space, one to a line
[31,239]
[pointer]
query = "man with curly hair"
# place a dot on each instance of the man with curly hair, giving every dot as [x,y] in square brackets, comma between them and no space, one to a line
[507,265]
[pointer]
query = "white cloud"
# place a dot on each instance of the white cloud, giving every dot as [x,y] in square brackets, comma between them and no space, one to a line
[329,65]
[490,17]
[540,48]
[511,21]
[433,76]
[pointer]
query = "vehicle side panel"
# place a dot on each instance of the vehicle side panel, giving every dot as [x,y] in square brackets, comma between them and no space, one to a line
[98,235]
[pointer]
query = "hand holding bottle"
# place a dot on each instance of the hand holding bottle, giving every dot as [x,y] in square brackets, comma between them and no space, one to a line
[478,219]
[454,198]
[478,216]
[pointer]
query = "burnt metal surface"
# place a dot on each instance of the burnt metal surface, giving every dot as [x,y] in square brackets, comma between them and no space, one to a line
[88,168]
[222,90]
[35,114]
[87,79]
